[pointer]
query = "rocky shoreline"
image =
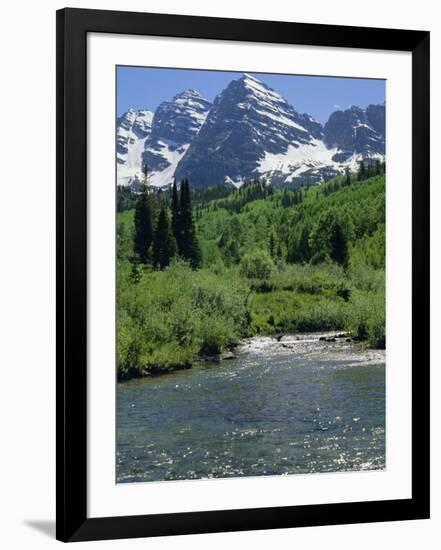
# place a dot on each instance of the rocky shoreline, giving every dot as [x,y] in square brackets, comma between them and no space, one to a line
[332,345]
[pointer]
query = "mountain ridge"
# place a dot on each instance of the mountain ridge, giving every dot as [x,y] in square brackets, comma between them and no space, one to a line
[249,131]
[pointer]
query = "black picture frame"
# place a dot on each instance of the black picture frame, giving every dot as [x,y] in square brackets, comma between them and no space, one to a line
[71,510]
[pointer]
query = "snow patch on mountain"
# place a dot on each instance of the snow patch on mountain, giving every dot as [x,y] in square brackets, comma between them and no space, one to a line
[298,159]
[171,155]
[133,130]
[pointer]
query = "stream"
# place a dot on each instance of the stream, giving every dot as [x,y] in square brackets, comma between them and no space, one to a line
[295,406]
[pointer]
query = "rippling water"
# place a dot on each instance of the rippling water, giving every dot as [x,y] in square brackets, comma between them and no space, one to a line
[298,406]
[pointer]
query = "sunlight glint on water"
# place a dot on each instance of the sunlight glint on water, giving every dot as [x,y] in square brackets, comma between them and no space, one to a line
[274,410]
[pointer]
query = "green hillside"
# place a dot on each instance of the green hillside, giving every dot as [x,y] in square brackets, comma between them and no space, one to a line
[245,262]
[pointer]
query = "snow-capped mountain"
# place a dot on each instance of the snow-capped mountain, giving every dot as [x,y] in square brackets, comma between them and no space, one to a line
[252,131]
[248,124]
[132,131]
[174,126]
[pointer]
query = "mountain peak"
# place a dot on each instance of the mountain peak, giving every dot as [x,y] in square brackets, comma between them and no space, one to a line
[247,76]
[261,91]
[189,94]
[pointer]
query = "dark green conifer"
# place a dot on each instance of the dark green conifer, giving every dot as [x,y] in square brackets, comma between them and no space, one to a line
[175,207]
[233,252]
[361,171]
[189,245]
[143,222]
[299,250]
[272,245]
[304,249]
[338,245]
[164,243]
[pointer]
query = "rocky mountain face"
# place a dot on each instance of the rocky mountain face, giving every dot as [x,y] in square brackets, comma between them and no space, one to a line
[250,131]
[357,131]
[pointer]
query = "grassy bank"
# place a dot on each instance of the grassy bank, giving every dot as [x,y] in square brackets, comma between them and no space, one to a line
[273,262]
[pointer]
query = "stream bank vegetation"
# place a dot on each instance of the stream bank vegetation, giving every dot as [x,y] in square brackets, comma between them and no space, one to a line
[199,269]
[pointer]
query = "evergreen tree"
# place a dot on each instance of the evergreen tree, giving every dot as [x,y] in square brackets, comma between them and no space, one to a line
[143,222]
[233,252]
[272,245]
[370,170]
[338,245]
[164,243]
[189,245]
[299,250]
[175,207]
[304,249]
[361,171]
[378,166]
[347,177]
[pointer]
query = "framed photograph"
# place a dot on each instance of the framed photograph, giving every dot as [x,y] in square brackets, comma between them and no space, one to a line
[242,275]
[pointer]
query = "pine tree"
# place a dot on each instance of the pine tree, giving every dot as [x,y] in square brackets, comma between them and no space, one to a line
[304,250]
[339,245]
[164,243]
[189,245]
[347,177]
[378,166]
[143,222]
[271,245]
[176,209]
[299,250]
[361,171]
[370,170]
[233,252]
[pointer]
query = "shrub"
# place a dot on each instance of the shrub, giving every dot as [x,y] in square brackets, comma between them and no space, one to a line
[367,318]
[170,317]
[257,265]
[286,311]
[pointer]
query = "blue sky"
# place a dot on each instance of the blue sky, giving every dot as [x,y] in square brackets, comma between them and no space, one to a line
[142,87]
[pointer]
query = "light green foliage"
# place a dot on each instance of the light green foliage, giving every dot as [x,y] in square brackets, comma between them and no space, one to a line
[367,317]
[287,312]
[302,298]
[257,265]
[272,262]
[170,317]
